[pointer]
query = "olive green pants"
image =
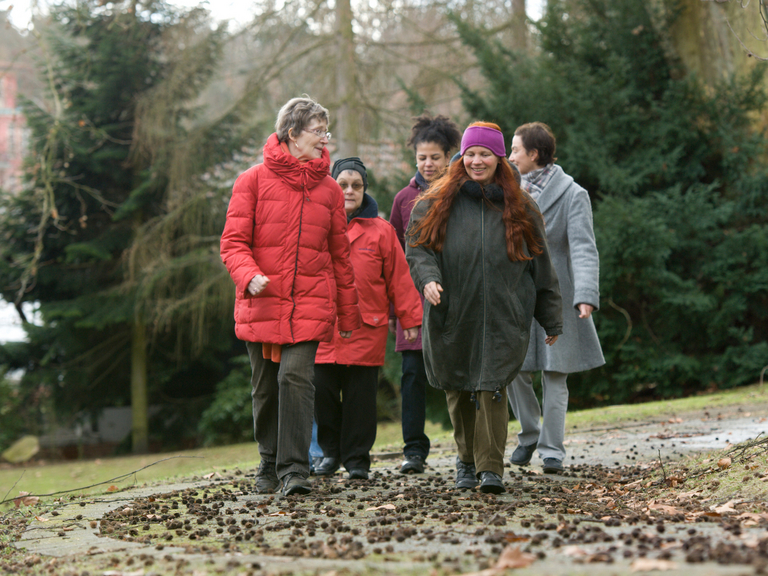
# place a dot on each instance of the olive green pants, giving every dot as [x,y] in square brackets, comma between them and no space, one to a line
[480,430]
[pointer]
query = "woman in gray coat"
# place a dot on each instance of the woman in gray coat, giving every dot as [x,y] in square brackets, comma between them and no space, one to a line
[477,251]
[568,215]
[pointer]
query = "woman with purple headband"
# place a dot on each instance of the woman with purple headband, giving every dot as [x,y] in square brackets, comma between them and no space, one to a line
[478,252]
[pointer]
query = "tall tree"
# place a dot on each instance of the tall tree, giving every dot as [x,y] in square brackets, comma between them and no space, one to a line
[91,186]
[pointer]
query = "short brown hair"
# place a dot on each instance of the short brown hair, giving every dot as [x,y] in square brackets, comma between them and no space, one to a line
[296,115]
[538,136]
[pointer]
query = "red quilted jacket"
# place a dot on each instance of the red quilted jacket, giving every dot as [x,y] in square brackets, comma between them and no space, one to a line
[286,221]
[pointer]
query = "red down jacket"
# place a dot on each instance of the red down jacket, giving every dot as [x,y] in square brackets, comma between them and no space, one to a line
[286,221]
[381,276]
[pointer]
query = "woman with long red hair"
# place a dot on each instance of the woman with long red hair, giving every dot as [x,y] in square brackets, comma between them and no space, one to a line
[478,252]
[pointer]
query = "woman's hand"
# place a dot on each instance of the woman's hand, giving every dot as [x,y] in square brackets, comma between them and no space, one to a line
[585,310]
[432,293]
[549,340]
[392,326]
[345,333]
[257,284]
[411,334]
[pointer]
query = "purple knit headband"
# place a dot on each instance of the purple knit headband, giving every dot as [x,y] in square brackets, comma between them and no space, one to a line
[485,137]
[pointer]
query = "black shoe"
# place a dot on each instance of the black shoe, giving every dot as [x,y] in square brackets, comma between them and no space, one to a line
[327,467]
[266,478]
[314,462]
[412,464]
[358,474]
[553,466]
[491,483]
[295,483]
[466,478]
[523,454]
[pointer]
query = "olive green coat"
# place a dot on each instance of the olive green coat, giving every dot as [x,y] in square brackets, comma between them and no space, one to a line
[477,337]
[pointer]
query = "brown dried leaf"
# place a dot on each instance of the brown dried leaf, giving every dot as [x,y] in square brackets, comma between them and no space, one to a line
[514,558]
[648,564]
[724,463]
[113,488]
[382,507]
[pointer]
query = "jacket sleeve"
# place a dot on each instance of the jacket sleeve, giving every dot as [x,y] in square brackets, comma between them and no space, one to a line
[237,239]
[422,260]
[400,289]
[396,219]
[585,261]
[347,308]
[549,303]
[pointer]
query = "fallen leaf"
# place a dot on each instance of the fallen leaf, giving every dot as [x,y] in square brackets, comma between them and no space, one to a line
[25,499]
[671,510]
[575,551]
[113,488]
[727,507]
[724,463]
[209,476]
[382,507]
[648,564]
[514,558]
[41,519]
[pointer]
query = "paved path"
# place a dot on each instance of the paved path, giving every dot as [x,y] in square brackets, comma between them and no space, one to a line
[74,532]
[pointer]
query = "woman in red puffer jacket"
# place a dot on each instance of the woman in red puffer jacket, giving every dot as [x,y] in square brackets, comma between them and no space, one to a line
[285,246]
[347,371]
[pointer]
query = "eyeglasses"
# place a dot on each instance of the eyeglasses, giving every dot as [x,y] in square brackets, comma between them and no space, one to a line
[356,186]
[319,133]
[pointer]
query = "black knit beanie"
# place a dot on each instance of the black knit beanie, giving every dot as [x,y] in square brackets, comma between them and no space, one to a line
[352,163]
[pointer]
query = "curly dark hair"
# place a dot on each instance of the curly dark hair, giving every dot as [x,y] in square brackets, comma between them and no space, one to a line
[438,129]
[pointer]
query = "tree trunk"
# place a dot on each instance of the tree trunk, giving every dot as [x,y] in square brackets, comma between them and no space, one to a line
[519,26]
[139,415]
[346,124]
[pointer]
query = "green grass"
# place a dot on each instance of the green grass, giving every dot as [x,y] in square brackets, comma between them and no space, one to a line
[77,475]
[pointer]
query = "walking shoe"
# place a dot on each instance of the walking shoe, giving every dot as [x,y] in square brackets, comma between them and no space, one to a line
[466,479]
[522,454]
[266,478]
[327,467]
[314,462]
[295,483]
[412,464]
[553,466]
[358,474]
[490,483]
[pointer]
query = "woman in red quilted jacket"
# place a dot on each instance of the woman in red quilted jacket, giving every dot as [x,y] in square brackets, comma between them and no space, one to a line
[286,248]
[347,371]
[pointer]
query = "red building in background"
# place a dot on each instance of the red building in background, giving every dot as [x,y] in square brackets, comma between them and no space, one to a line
[13,131]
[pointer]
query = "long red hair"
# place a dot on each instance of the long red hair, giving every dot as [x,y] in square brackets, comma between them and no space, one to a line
[430,230]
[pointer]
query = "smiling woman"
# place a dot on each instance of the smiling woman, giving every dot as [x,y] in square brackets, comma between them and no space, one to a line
[477,250]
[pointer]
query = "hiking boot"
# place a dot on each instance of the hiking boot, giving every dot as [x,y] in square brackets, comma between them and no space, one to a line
[327,467]
[490,483]
[295,483]
[358,474]
[466,479]
[266,478]
[523,454]
[553,466]
[413,464]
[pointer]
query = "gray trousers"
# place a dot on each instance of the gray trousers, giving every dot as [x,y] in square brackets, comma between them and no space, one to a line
[283,399]
[550,434]
[480,430]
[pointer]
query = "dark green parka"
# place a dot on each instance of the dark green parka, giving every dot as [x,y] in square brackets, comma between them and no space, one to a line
[477,337]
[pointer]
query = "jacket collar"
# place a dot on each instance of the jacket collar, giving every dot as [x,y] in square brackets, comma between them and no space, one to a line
[368,209]
[558,184]
[295,174]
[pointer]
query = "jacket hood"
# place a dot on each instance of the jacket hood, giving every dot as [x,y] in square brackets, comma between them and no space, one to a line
[291,171]
[368,209]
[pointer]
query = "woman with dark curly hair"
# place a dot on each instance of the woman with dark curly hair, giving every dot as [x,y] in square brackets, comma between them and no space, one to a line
[432,139]
[478,252]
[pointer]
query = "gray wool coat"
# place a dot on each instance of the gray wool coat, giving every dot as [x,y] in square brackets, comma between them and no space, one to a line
[568,216]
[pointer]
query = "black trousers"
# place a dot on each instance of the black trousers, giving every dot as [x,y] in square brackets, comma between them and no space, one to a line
[345,412]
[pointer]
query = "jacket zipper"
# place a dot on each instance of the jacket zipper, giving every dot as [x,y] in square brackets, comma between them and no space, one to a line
[304,198]
[485,298]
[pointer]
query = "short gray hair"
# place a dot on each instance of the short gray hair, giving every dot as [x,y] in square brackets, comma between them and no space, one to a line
[296,115]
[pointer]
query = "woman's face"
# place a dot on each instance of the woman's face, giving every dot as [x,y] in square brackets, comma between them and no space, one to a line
[309,143]
[480,163]
[524,160]
[431,160]
[351,182]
